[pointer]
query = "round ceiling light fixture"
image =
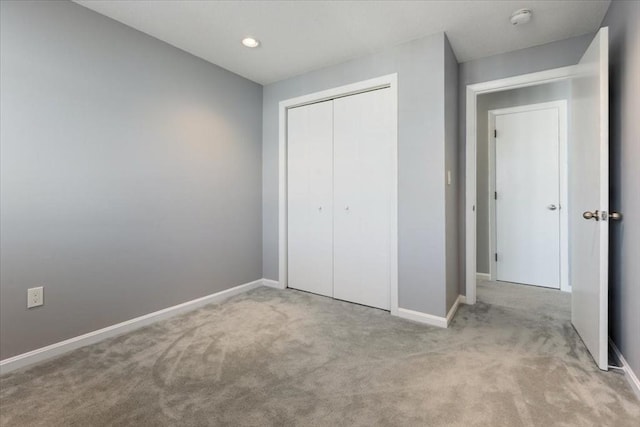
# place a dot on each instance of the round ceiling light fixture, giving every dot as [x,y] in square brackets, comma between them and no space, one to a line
[521,16]
[250,42]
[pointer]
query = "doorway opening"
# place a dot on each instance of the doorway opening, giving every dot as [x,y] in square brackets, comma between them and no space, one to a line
[587,204]
[484,103]
[522,190]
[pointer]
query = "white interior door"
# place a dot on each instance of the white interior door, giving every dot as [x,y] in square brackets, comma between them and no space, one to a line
[310,198]
[363,144]
[589,195]
[527,205]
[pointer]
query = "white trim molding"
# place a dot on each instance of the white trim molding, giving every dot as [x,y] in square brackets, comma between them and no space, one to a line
[631,376]
[271,284]
[388,81]
[472,93]
[453,310]
[430,319]
[420,317]
[59,348]
[483,276]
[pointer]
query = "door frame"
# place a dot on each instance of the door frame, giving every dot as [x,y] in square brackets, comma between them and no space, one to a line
[472,92]
[563,203]
[387,81]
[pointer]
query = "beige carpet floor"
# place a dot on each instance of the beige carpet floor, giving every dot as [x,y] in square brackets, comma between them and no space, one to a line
[288,358]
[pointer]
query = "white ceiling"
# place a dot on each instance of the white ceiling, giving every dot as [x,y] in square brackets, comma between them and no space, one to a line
[299,36]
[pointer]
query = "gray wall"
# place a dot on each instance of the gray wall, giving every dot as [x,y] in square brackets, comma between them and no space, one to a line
[131,174]
[537,58]
[420,68]
[624,281]
[451,164]
[491,101]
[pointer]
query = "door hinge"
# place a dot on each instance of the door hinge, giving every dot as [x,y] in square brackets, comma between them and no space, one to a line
[495,133]
[495,195]
[496,255]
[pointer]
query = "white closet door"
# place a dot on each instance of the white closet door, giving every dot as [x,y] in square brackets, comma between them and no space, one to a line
[310,198]
[363,136]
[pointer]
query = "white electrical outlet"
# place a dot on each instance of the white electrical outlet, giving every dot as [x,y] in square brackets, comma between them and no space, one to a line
[35,297]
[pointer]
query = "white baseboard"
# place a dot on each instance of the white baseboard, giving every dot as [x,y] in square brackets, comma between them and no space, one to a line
[483,276]
[462,299]
[272,283]
[453,310]
[629,374]
[418,316]
[430,319]
[53,350]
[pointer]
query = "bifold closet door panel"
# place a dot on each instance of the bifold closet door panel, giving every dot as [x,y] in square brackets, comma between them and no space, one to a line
[310,198]
[363,137]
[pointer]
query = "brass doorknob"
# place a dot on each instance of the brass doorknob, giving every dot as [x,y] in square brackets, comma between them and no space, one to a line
[591,215]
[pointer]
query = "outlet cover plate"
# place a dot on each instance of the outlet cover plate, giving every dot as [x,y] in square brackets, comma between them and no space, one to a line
[35,297]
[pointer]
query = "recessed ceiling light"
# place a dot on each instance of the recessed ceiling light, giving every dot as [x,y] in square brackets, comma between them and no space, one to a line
[250,42]
[521,16]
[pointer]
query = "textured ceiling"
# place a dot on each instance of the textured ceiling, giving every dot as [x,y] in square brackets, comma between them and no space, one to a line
[299,36]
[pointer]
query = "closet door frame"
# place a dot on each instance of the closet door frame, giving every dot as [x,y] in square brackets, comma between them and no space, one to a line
[388,81]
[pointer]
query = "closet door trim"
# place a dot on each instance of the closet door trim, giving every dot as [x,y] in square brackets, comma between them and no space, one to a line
[388,81]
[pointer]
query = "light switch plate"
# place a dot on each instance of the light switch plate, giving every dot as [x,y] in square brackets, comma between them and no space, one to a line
[35,297]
